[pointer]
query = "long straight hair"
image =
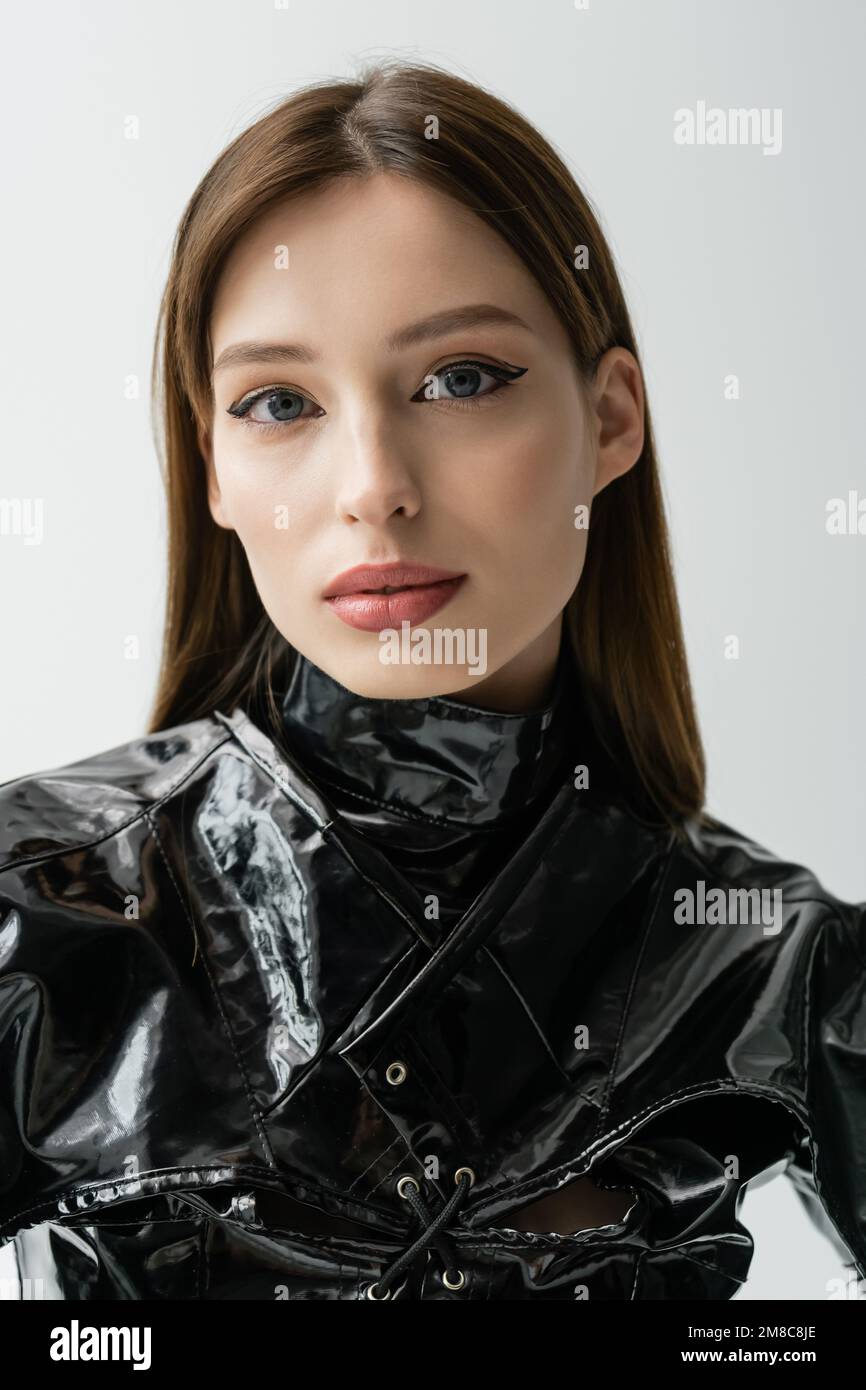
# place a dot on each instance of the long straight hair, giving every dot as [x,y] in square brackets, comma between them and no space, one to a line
[220,647]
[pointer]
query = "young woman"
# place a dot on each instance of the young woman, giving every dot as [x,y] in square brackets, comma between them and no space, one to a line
[399,959]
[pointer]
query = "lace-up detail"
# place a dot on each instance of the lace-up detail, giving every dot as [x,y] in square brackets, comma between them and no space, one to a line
[452,1277]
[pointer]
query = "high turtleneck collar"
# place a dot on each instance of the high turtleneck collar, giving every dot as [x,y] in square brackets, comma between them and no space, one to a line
[435,758]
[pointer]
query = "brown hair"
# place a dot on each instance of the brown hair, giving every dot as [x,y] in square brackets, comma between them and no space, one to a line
[220,647]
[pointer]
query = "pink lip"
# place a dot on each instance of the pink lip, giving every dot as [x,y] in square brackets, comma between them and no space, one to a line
[429,590]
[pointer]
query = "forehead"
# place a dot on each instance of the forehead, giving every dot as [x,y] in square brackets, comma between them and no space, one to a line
[362,257]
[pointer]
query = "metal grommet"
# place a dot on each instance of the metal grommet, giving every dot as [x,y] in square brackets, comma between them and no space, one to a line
[368,1293]
[447,1282]
[407,1177]
[396,1073]
[464,1170]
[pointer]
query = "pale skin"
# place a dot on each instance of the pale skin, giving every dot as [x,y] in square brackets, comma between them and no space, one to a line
[366,474]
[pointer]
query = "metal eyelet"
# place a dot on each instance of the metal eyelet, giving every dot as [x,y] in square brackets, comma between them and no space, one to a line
[407,1177]
[368,1293]
[396,1073]
[464,1170]
[447,1282]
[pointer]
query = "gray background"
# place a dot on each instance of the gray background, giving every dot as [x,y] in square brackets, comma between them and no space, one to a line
[732,261]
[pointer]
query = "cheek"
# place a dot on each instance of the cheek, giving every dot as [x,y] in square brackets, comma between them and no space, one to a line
[264,502]
[527,483]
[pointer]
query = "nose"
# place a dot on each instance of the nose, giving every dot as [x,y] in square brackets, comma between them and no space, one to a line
[376,481]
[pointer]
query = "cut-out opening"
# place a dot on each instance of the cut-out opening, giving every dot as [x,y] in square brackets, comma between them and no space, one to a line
[576,1206]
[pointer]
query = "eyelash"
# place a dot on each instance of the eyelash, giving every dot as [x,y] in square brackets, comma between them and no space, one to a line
[508,375]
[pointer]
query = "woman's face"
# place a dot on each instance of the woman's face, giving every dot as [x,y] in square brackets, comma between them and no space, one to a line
[345,432]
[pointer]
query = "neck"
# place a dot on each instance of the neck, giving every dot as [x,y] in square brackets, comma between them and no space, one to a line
[445,789]
[436,757]
[527,682]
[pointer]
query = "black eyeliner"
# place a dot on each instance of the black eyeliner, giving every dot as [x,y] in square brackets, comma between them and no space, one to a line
[240,408]
[507,373]
[244,405]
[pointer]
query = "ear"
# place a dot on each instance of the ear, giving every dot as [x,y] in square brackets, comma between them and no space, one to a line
[618,403]
[214,493]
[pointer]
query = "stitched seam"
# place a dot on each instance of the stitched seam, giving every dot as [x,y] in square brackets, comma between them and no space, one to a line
[332,1243]
[361,1008]
[398,1139]
[402,1159]
[714,1269]
[254,1112]
[552,1055]
[409,1149]
[424,817]
[827,1202]
[719,1086]
[495,1238]
[389,1240]
[334,840]
[354,1183]
[447,1100]
[637,1264]
[109,834]
[608,1093]
[278,780]
[249,1170]
[190,921]
[806,1021]
[690,852]
[378,889]
[142,1220]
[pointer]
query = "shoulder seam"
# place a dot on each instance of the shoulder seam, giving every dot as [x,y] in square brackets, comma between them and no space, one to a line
[689,851]
[124,825]
[285,787]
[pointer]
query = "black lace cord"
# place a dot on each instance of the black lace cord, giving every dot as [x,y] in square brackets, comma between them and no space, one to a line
[442,1244]
[430,1236]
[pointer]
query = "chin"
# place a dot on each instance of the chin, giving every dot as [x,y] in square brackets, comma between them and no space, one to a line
[367,676]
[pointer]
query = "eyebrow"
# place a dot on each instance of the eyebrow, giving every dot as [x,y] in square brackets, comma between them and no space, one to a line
[435,326]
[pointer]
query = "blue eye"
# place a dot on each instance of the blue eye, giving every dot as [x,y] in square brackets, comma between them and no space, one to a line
[463,379]
[282,405]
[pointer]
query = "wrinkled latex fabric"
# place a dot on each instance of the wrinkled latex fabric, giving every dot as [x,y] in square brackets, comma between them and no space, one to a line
[269,1006]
